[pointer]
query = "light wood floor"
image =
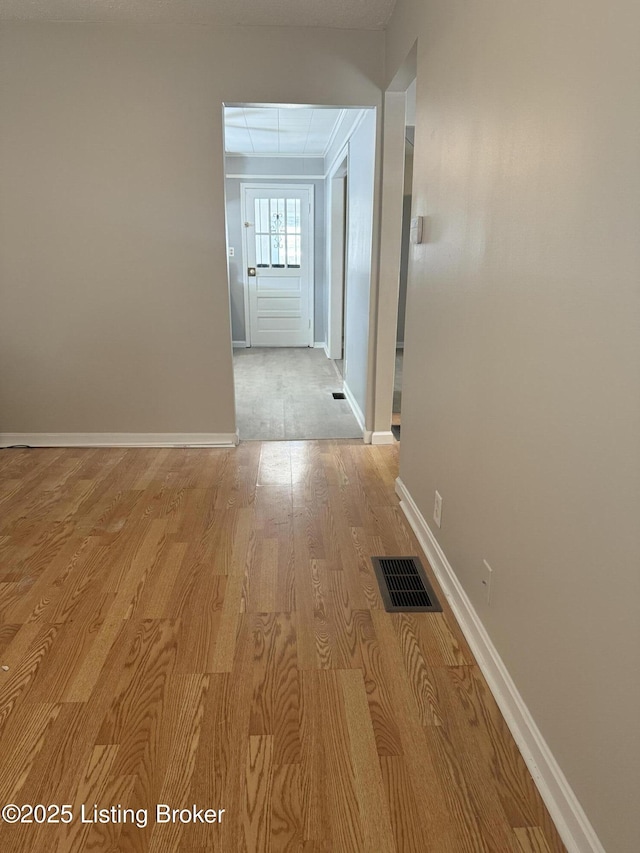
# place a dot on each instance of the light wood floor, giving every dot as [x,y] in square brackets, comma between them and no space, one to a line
[204,626]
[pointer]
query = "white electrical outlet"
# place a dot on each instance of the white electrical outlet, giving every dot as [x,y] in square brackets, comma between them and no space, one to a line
[487,578]
[437,509]
[232,252]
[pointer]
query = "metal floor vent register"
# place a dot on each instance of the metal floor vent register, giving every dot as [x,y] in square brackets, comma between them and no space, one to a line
[338,395]
[404,585]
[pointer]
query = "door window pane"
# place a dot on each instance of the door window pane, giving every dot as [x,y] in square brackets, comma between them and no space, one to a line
[278,232]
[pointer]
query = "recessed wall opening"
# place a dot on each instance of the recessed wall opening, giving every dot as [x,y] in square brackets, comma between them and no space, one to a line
[409,135]
[296,302]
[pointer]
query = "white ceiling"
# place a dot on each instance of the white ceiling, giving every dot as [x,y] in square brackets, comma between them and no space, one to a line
[290,131]
[343,14]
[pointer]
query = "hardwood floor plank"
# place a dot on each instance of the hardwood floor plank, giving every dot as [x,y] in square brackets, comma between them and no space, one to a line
[136,708]
[258,791]
[133,576]
[275,464]
[374,807]
[20,745]
[306,577]
[285,587]
[72,643]
[112,634]
[183,732]
[379,699]
[316,822]
[275,708]
[90,789]
[340,785]
[406,817]
[215,779]
[107,836]
[366,546]
[157,599]
[24,658]
[344,623]
[531,839]
[8,633]
[439,828]
[421,678]
[287,823]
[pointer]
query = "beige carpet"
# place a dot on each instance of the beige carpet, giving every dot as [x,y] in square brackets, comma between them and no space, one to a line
[285,394]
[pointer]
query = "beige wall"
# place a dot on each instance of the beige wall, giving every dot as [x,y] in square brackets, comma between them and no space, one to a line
[521,394]
[114,310]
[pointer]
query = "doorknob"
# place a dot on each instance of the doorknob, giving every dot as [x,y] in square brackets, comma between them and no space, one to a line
[251,271]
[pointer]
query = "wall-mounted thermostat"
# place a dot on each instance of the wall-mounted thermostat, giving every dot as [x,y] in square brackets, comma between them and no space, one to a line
[416,229]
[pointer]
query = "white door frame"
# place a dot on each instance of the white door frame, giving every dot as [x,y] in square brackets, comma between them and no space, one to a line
[336,244]
[391,210]
[278,185]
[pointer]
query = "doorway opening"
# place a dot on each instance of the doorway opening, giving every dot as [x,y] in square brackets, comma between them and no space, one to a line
[287,203]
[409,137]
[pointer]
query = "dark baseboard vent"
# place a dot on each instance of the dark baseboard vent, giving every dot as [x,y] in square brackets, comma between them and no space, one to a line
[404,586]
[338,395]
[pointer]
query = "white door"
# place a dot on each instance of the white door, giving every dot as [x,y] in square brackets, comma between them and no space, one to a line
[279,264]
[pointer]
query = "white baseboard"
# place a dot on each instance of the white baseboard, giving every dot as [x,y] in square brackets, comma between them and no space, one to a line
[566,812]
[338,374]
[320,345]
[326,350]
[357,411]
[239,344]
[119,439]
[383,437]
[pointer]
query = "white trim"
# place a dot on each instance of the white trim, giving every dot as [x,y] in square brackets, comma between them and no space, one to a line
[335,367]
[383,437]
[330,172]
[282,155]
[239,344]
[245,283]
[367,436]
[273,185]
[243,176]
[336,128]
[320,345]
[120,439]
[566,812]
[357,411]
[340,156]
